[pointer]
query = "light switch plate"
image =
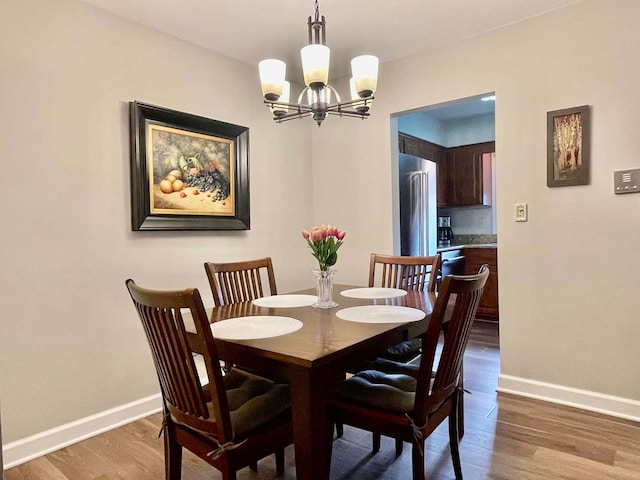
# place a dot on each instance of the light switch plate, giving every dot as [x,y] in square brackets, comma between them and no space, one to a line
[521,212]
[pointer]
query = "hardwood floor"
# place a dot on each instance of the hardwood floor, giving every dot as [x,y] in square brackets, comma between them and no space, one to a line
[506,438]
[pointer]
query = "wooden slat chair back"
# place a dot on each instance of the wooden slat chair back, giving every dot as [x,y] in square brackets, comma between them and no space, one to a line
[406,273]
[457,302]
[197,416]
[408,404]
[237,282]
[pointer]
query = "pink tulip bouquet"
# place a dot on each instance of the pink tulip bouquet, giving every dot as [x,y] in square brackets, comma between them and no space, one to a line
[324,242]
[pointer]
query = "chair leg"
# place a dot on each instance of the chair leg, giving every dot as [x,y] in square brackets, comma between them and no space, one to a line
[461,403]
[454,438]
[460,414]
[280,462]
[172,454]
[417,461]
[340,425]
[399,444]
[376,443]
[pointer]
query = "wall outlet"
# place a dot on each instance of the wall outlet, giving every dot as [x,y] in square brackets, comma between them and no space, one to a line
[521,212]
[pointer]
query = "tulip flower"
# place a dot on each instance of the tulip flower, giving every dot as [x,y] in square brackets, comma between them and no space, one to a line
[324,242]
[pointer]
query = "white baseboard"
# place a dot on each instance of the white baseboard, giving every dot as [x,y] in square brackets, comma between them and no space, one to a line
[592,401]
[21,451]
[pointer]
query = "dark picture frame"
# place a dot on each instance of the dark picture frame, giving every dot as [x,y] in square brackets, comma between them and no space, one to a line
[568,147]
[187,172]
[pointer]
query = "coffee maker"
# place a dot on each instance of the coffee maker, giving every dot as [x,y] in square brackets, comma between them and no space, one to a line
[445,234]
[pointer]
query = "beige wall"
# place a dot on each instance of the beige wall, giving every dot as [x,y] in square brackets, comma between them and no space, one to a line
[569,298]
[71,344]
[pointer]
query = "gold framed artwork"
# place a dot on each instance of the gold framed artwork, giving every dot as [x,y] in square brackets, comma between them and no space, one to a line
[187,172]
[568,147]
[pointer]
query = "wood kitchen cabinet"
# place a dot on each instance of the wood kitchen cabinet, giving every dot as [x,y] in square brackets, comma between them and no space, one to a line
[463,174]
[474,258]
[466,175]
[430,151]
[421,148]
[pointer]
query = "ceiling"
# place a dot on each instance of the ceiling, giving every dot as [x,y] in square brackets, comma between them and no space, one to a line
[457,109]
[251,30]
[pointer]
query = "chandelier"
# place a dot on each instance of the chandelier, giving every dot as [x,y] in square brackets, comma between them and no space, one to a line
[315,66]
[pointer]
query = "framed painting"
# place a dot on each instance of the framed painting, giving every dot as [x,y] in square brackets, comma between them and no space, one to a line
[568,147]
[187,172]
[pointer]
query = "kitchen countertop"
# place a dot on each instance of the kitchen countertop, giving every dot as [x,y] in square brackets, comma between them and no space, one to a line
[466,245]
[460,241]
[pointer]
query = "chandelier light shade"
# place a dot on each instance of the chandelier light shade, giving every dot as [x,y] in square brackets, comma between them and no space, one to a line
[279,109]
[365,74]
[315,69]
[272,74]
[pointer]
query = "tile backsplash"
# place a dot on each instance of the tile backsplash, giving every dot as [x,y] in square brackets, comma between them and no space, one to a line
[473,239]
[470,220]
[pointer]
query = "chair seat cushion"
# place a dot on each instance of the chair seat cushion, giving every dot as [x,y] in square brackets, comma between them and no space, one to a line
[404,351]
[395,392]
[253,400]
[389,366]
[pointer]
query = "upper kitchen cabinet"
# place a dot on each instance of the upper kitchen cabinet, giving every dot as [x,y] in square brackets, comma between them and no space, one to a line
[463,173]
[464,178]
[420,148]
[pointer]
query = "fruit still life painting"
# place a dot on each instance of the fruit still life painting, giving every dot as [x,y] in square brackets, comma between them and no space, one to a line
[189,172]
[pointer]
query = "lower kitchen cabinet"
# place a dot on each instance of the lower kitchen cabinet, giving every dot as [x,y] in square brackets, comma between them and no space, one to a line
[474,258]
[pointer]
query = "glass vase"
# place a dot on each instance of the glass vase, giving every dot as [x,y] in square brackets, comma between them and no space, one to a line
[324,288]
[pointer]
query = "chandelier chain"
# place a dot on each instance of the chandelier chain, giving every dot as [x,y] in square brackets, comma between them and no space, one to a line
[317,18]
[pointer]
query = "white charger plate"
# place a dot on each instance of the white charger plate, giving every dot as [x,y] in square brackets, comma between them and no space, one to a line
[285,301]
[254,327]
[380,314]
[373,292]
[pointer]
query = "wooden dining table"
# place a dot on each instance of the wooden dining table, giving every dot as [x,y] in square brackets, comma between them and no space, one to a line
[314,358]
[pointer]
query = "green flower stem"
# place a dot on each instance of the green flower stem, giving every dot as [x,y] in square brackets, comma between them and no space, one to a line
[325,251]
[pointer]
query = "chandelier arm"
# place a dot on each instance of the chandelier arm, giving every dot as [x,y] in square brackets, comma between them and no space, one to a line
[301,107]
[336,92]
[291,116]
[301,95]
[349,113]
[361,101]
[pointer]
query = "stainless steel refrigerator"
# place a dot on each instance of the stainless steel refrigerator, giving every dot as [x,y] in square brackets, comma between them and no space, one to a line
[418,205]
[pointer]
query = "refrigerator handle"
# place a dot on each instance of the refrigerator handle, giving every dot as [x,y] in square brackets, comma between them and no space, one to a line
[425,213]
[418,192]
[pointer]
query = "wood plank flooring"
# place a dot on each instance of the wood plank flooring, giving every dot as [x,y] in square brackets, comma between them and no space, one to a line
[506,438]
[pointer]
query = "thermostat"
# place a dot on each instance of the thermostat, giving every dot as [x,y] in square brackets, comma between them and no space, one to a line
[626,181]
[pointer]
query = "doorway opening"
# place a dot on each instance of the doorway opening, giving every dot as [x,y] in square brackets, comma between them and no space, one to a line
[451,134]
[459,137]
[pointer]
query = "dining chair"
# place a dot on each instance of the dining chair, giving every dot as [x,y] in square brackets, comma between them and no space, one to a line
[239,282]
[236,282]
[406,273]
[406,401]
[232,421]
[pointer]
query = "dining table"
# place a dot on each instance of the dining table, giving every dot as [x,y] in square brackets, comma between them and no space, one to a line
[314,350]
